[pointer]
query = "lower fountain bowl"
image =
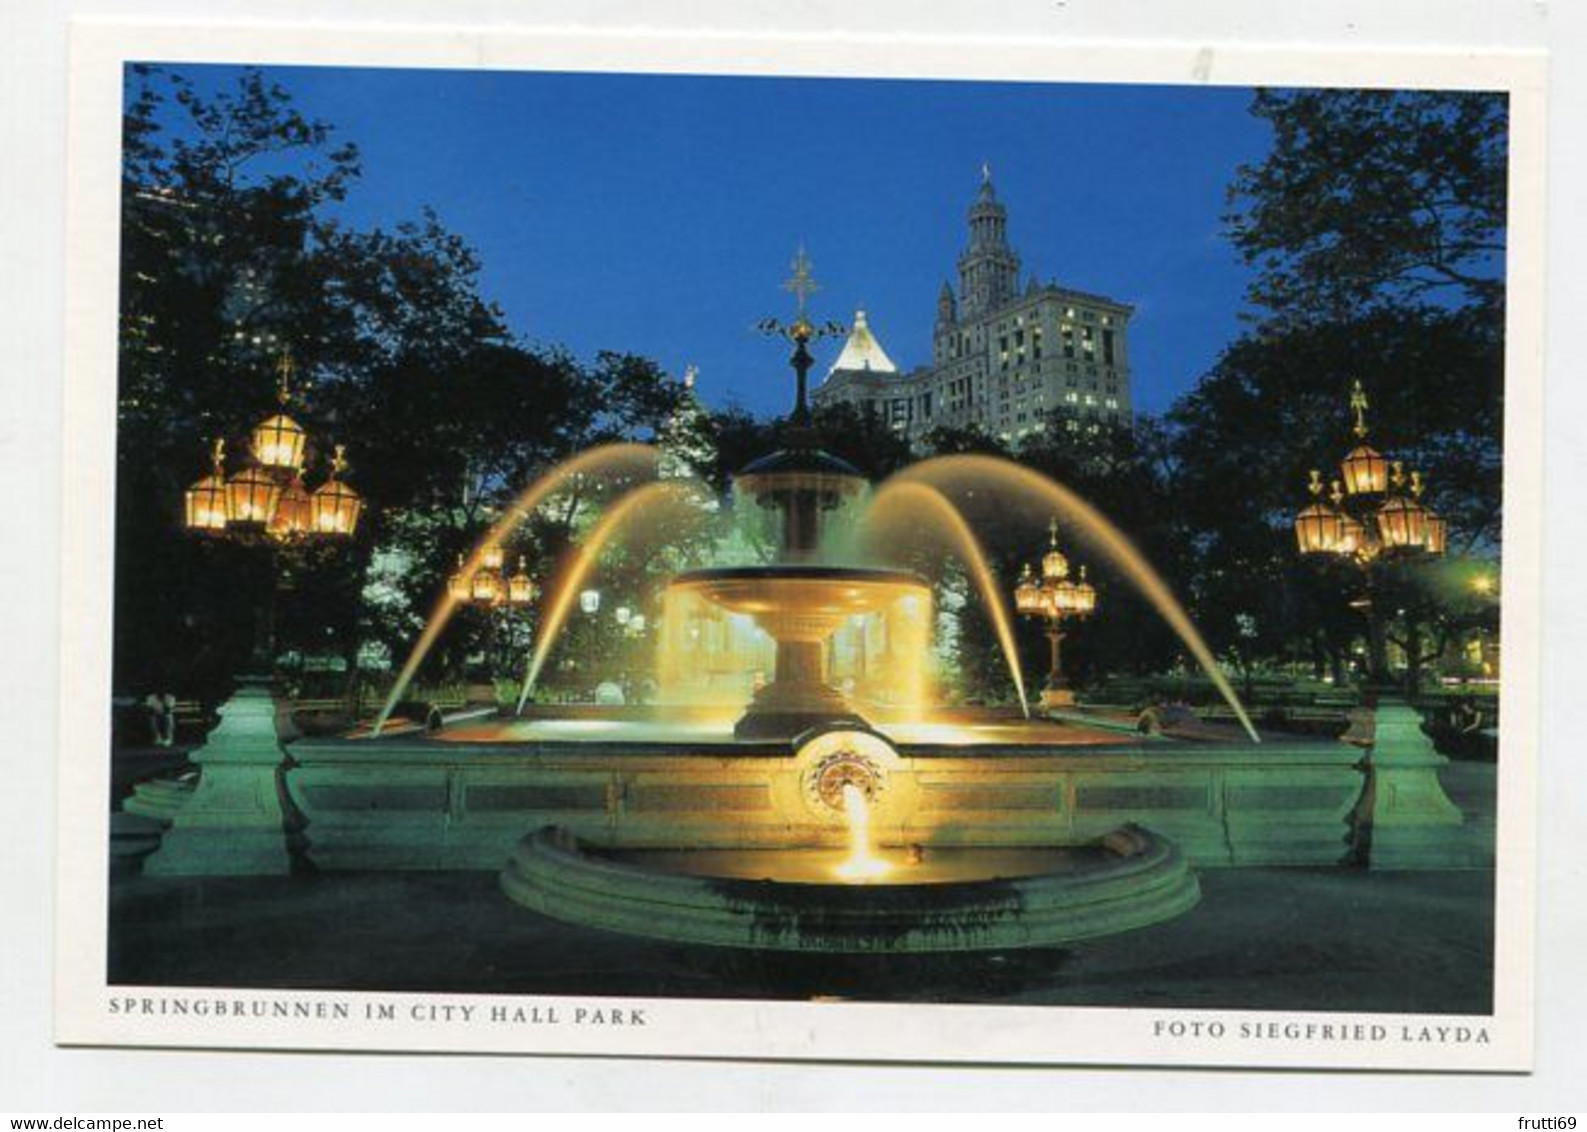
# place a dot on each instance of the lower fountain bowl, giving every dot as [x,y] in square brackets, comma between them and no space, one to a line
[950,899]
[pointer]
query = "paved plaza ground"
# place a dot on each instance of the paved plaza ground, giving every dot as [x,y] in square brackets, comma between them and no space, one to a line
[1293,939]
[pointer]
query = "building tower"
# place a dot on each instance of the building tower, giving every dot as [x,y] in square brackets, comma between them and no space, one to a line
[989,268]
[947,309]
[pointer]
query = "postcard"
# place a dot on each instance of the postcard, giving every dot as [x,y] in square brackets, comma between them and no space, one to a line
[808,549]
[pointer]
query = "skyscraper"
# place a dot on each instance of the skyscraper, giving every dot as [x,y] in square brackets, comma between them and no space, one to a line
[1002,358]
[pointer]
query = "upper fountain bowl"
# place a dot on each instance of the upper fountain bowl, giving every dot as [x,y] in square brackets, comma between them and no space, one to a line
[800,602]
[800,467]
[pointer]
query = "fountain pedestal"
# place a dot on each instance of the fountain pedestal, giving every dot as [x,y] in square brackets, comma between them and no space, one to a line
[800,607]
[798,699]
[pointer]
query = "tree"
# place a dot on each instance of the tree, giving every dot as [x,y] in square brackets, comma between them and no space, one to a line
[230,258]
[1376,227]
[1374,198]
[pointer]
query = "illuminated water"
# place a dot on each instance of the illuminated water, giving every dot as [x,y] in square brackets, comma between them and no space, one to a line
[611,463]
[654,503]
[894,516]
[862,862]
[1012,483]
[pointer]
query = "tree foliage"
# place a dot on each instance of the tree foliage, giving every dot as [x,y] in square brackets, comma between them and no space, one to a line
[232,258]
[1374,198]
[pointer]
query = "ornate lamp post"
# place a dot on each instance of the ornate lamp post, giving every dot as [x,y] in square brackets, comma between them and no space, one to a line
[239,819]
[1370,515]
[1054,598]
[490,587]
[266,503]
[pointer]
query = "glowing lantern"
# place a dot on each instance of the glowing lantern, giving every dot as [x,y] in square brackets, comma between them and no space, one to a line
[1085,595]
[206,504]
[623,613]
[1319,529]
[590,601]
[294,512]
[252,495]
[336,506]
[520,587]
[1027,594]
[278,443]
[486,587]
[492,557]
[1402,523]
[1365,471]
[457,586]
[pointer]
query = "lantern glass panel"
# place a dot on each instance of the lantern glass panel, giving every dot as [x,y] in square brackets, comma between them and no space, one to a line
[1027,596]
[206,505]
[1054,565]
[1318,529]
[252,495]
[1365,471]
[487,586]
[1352,536]
[336,508]
[1437,534]
[1402,523]
[520,589]
[492,557]
[294,514]
[278,443]
[458,587]
[1085,598]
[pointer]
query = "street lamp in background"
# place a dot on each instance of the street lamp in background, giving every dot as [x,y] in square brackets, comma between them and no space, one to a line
[1054,598]
[488,586]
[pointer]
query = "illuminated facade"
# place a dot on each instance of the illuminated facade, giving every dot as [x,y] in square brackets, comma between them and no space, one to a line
[1003,358]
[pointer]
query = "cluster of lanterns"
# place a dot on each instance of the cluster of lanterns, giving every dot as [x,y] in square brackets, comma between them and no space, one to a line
[489,584]
[269,493]
[1374,508]
[1053,595]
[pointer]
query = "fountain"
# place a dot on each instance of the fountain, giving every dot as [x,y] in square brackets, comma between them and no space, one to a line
[795,784]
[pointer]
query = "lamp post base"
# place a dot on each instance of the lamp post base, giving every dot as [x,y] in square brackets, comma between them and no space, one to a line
[1057,697]
[239,820]
[1404,819]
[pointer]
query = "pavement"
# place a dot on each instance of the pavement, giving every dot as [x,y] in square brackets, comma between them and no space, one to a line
[1263,939]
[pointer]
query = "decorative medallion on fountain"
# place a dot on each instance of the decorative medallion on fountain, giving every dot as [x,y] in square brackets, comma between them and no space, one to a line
[842,757]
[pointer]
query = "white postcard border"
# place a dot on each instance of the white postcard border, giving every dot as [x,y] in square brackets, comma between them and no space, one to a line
[90,1012]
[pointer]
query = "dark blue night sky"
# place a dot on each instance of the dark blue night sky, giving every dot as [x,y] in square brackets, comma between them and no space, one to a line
[657,214]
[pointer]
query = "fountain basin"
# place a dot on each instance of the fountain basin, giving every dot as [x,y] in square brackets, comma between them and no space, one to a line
[962,899]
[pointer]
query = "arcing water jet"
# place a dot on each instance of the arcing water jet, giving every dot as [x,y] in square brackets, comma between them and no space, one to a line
[990,473]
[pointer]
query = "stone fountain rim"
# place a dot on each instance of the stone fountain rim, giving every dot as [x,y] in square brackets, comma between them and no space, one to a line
[558,875]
